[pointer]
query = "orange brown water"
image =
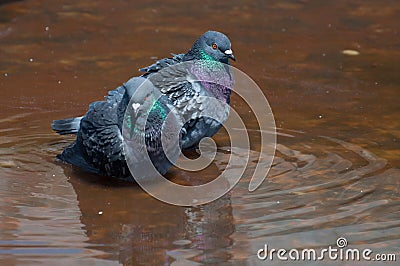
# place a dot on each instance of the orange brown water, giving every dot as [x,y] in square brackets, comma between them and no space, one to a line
[336,171]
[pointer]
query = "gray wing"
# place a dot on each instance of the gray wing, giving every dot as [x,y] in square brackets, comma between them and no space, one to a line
[176,83]
[143,132]
[100,139]
[192,102]
[176,58]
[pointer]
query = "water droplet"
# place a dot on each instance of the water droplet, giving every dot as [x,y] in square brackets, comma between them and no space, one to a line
[100,212]
[30,59]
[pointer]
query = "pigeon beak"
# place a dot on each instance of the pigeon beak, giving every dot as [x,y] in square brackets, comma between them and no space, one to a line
[229,53]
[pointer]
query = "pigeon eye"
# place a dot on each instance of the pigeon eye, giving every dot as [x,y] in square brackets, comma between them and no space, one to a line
[214,46]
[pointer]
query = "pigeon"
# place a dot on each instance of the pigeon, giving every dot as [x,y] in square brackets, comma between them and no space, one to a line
[179,84]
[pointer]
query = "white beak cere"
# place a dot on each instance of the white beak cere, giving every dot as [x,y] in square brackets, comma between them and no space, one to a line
[228,52]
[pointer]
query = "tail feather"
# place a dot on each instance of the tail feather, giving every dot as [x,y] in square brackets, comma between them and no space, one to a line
[66,126]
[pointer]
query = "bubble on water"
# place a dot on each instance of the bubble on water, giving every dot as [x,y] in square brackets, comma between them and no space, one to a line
[350,52]
[182,242]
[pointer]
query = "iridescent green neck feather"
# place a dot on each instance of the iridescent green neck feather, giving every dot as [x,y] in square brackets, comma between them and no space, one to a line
[204,56]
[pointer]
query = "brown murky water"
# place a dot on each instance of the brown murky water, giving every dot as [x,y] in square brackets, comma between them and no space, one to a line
[337,166]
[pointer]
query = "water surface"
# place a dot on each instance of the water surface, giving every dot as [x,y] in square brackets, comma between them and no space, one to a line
[336,171]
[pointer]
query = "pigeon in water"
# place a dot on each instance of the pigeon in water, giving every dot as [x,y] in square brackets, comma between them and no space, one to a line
[183,83]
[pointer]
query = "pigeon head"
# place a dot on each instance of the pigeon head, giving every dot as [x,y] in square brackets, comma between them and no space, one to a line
[212,45]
